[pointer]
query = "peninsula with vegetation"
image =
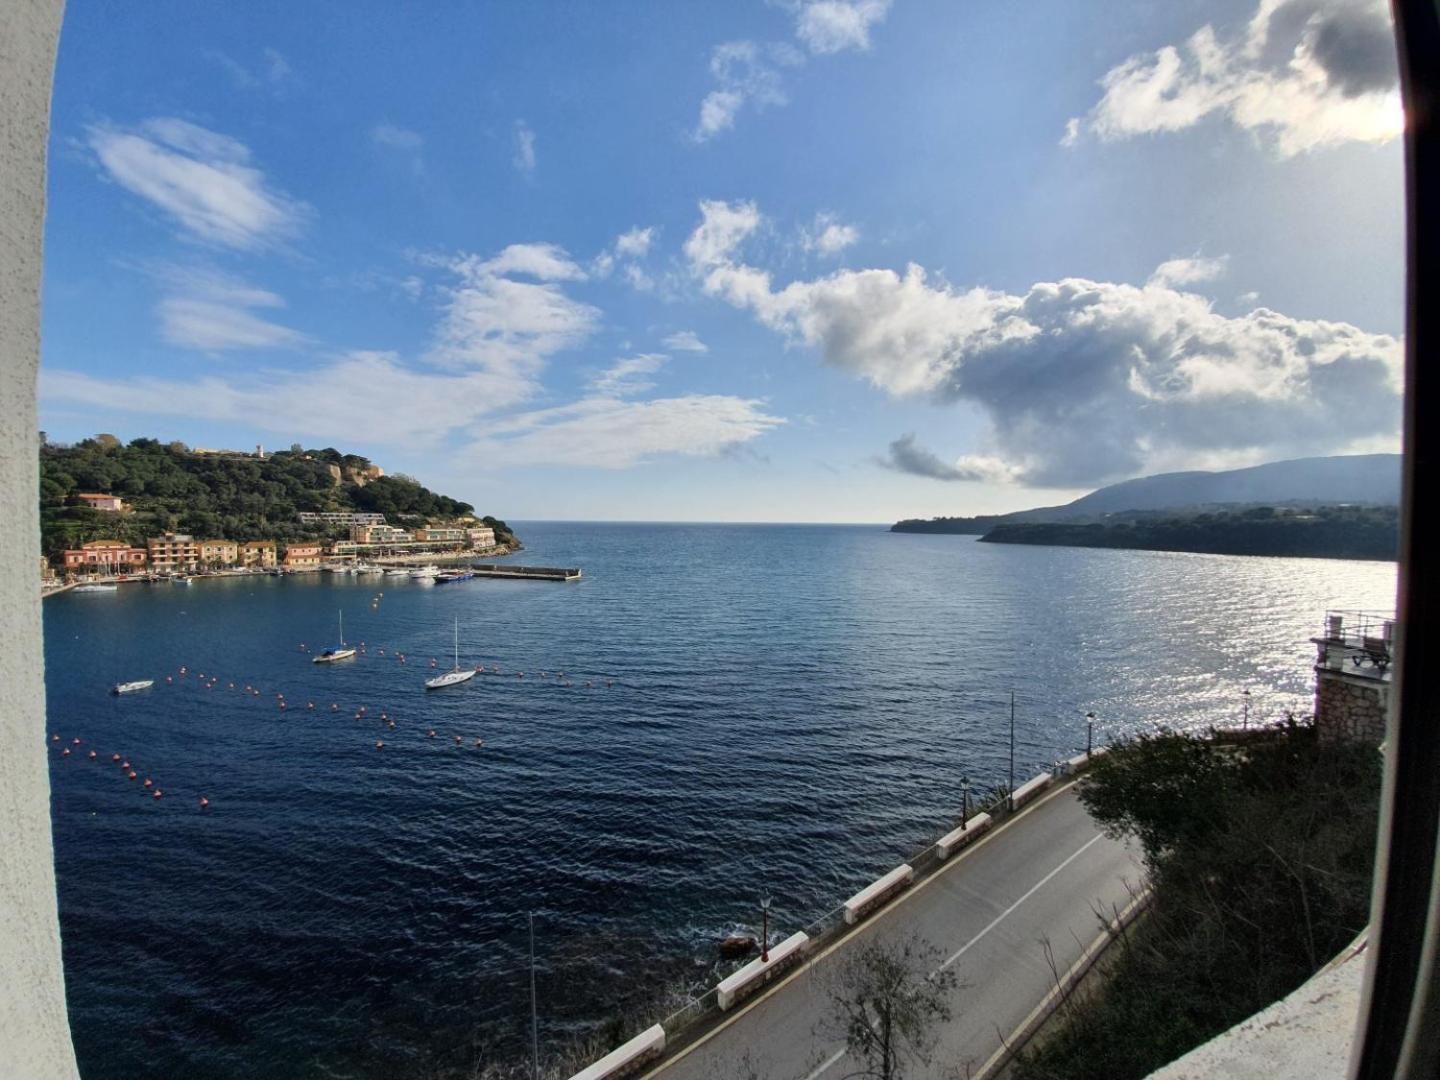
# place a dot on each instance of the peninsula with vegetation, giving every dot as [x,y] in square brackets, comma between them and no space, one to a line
[1335,507]
[141,508]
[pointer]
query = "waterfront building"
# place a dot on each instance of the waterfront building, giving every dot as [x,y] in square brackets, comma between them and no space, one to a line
[258,553]
[107,557]
[173,552]
[303,556]
[110,504]
[379,534]
[310,517]
[436,534]
[480,536]
[219,553]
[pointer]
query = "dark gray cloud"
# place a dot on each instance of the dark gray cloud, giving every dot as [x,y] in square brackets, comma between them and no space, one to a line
[1356,47]
[906,455]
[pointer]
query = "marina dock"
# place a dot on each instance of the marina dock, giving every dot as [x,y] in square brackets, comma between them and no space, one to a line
[530,573]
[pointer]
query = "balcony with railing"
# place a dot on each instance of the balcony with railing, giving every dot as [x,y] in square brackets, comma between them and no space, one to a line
[1359,643]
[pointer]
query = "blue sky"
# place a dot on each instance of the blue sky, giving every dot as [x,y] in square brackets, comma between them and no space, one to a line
[815,260]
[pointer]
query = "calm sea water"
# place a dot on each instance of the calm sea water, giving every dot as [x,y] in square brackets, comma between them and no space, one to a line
[791,711]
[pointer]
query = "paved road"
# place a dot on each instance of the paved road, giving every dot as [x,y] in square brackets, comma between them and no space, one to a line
[1043,874]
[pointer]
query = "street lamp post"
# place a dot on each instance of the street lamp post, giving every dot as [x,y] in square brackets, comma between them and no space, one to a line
[1089,733]
[964,802]
[1245,697]
[765,930]
[1010,794]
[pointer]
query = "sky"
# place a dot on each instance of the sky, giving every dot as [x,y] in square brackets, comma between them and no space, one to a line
[796,260]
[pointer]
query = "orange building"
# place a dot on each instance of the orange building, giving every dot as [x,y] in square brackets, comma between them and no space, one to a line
[259,553]
[106,556]
[303,556]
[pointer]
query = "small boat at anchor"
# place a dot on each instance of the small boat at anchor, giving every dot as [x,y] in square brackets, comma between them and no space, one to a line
[455,676]
[339,652]
[95,588]
[132,687]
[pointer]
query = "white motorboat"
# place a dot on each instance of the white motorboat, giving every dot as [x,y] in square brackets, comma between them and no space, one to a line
[397,572]
[425,572]
[132,687]
[95,588]
[456,675]
[339,652]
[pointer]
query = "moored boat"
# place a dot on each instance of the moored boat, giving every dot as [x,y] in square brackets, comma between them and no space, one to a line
[132,687]
[457,674]
[338,652]
[95,588]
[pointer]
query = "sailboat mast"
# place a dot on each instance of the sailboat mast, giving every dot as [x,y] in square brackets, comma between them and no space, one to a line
[457,642]
[342,627]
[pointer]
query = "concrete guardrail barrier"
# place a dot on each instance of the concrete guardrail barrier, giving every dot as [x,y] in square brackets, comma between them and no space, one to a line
[758,972]
[877,892]
[627,1059]
[1027,791]
[952,842]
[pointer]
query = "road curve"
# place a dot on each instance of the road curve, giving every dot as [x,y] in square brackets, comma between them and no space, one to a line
[1042,875]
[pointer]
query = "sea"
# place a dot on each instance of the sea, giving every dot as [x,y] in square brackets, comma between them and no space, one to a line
[746,712]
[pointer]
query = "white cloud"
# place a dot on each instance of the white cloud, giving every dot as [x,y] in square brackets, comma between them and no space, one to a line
[746,73]
[638,278]
[1082,381]
[685,341]
[628,376]
[397,138]
[635,243]
[364,392]
[524,158]
[202,179]
[273,71]
[507,327]
[1189,271]
[1304,74]
[831,26]
[606,433]
[723,227]
[548,262]
[215,313]
[829,236]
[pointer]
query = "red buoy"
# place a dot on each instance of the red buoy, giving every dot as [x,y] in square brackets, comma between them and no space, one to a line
[132,776]
[379,745]
[204,802]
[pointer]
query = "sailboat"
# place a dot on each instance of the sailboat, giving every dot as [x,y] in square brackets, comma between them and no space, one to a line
[457,675]
[339,652]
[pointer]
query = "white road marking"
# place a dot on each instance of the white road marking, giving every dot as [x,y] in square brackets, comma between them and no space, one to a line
[833,1058]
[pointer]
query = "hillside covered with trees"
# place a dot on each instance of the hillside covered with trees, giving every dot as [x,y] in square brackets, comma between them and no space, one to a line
[235,497]
[1327,532]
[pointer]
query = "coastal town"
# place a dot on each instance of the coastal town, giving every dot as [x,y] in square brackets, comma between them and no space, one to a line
[178,554]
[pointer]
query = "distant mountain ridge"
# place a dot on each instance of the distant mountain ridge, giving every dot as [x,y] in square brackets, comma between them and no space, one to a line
[1364,479]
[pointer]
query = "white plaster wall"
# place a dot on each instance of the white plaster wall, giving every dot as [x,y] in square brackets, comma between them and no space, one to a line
[34,1031]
